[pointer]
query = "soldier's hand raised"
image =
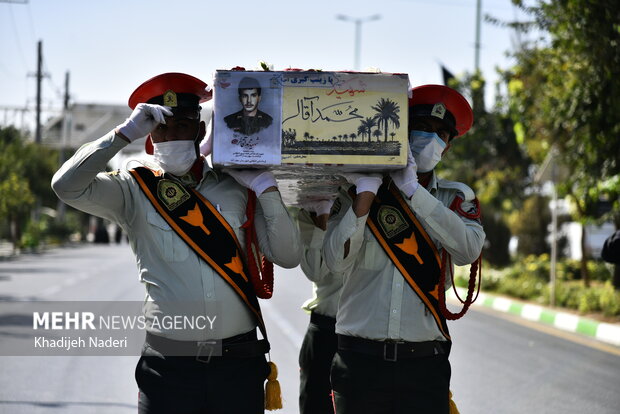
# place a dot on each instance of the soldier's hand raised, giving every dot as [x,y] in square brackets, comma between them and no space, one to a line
[143,120]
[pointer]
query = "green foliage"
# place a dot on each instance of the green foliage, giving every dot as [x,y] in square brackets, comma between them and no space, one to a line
[32,162]
[610,300]
[26,170]
[15,196]
[523,286]
[528,279]
[565,93]
[31,238]
[589,300]
[47,231]
[498,236]
[567,294]
[530,225]
[490,160]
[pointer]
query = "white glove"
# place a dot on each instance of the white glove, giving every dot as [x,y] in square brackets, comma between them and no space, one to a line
[143,120]
[256,180]
[206,145]
[364,182]
[406,179]
[319,207]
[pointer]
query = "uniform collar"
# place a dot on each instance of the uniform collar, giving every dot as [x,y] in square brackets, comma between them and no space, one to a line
[432,184]
[196,174]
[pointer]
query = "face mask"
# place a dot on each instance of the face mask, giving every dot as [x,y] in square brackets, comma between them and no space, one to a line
[426,148]
[175,157]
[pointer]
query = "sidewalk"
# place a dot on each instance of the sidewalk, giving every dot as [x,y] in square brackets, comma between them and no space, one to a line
[601,331]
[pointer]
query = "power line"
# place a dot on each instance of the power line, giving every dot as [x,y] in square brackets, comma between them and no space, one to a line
[17,38]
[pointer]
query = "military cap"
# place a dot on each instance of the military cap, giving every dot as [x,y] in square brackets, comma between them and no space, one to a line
[179,91]
[248,83]
[443,103]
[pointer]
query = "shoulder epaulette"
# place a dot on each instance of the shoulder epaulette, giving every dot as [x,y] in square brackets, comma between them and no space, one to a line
[468,193]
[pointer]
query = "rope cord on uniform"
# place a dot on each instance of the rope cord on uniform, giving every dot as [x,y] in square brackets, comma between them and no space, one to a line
[261,269]
[475,272]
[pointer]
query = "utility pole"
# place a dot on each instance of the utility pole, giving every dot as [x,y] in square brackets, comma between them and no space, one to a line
[39,78]
[477,44]
[65,135]
[39,75]
[358,32]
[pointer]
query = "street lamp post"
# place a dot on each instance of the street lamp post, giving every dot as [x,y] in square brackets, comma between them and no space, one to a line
[358,32]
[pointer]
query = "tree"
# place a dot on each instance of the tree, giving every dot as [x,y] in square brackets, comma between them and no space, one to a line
[367,125]
[531,225]
[490,160]
[387,113]
[26,170]
[565,94]
[361,131]
[16,201]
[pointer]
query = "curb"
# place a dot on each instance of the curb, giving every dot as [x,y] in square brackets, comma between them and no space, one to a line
[601,331]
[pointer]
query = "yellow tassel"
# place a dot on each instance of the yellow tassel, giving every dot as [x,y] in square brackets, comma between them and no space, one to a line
[273,393]
[453,409]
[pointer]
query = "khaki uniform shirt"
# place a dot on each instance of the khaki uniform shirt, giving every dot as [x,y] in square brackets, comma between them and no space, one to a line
[326,285]
[376,302]
[176,279]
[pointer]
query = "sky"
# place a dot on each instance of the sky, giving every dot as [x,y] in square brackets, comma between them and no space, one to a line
[109,47]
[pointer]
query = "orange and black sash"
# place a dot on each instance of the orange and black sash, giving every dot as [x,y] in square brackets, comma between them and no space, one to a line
[204,230]
[408,246]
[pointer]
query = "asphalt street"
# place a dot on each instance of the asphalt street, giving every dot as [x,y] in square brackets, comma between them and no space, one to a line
[499,364]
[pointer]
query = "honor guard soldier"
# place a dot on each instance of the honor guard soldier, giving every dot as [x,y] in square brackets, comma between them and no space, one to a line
[184,223]
[249,120]
[320,343]
[393,340]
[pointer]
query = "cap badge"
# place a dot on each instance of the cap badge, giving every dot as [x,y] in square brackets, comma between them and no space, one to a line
[439,110]
[391,221]
[170,98]
[171,194]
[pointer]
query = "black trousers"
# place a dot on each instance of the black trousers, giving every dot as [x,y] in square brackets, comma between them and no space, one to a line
[182,385]
[370,385]
[315,360]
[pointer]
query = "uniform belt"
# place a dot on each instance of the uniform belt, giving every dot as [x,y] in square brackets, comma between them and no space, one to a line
[240,346]
[391,350]
[322,321]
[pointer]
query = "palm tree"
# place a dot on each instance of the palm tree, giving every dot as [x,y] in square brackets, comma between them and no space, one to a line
[368,124]
[387,112]
[352,136]
[361,131]
[376,133]
[392,134]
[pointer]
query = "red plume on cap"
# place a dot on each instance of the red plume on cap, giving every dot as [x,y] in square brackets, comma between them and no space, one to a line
[453,101]
[179,83]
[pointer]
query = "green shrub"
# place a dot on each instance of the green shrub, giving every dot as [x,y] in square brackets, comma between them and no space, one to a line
[528,279]
[568,269]
[589,300]
[31,237]
[610,300]
[524,286]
